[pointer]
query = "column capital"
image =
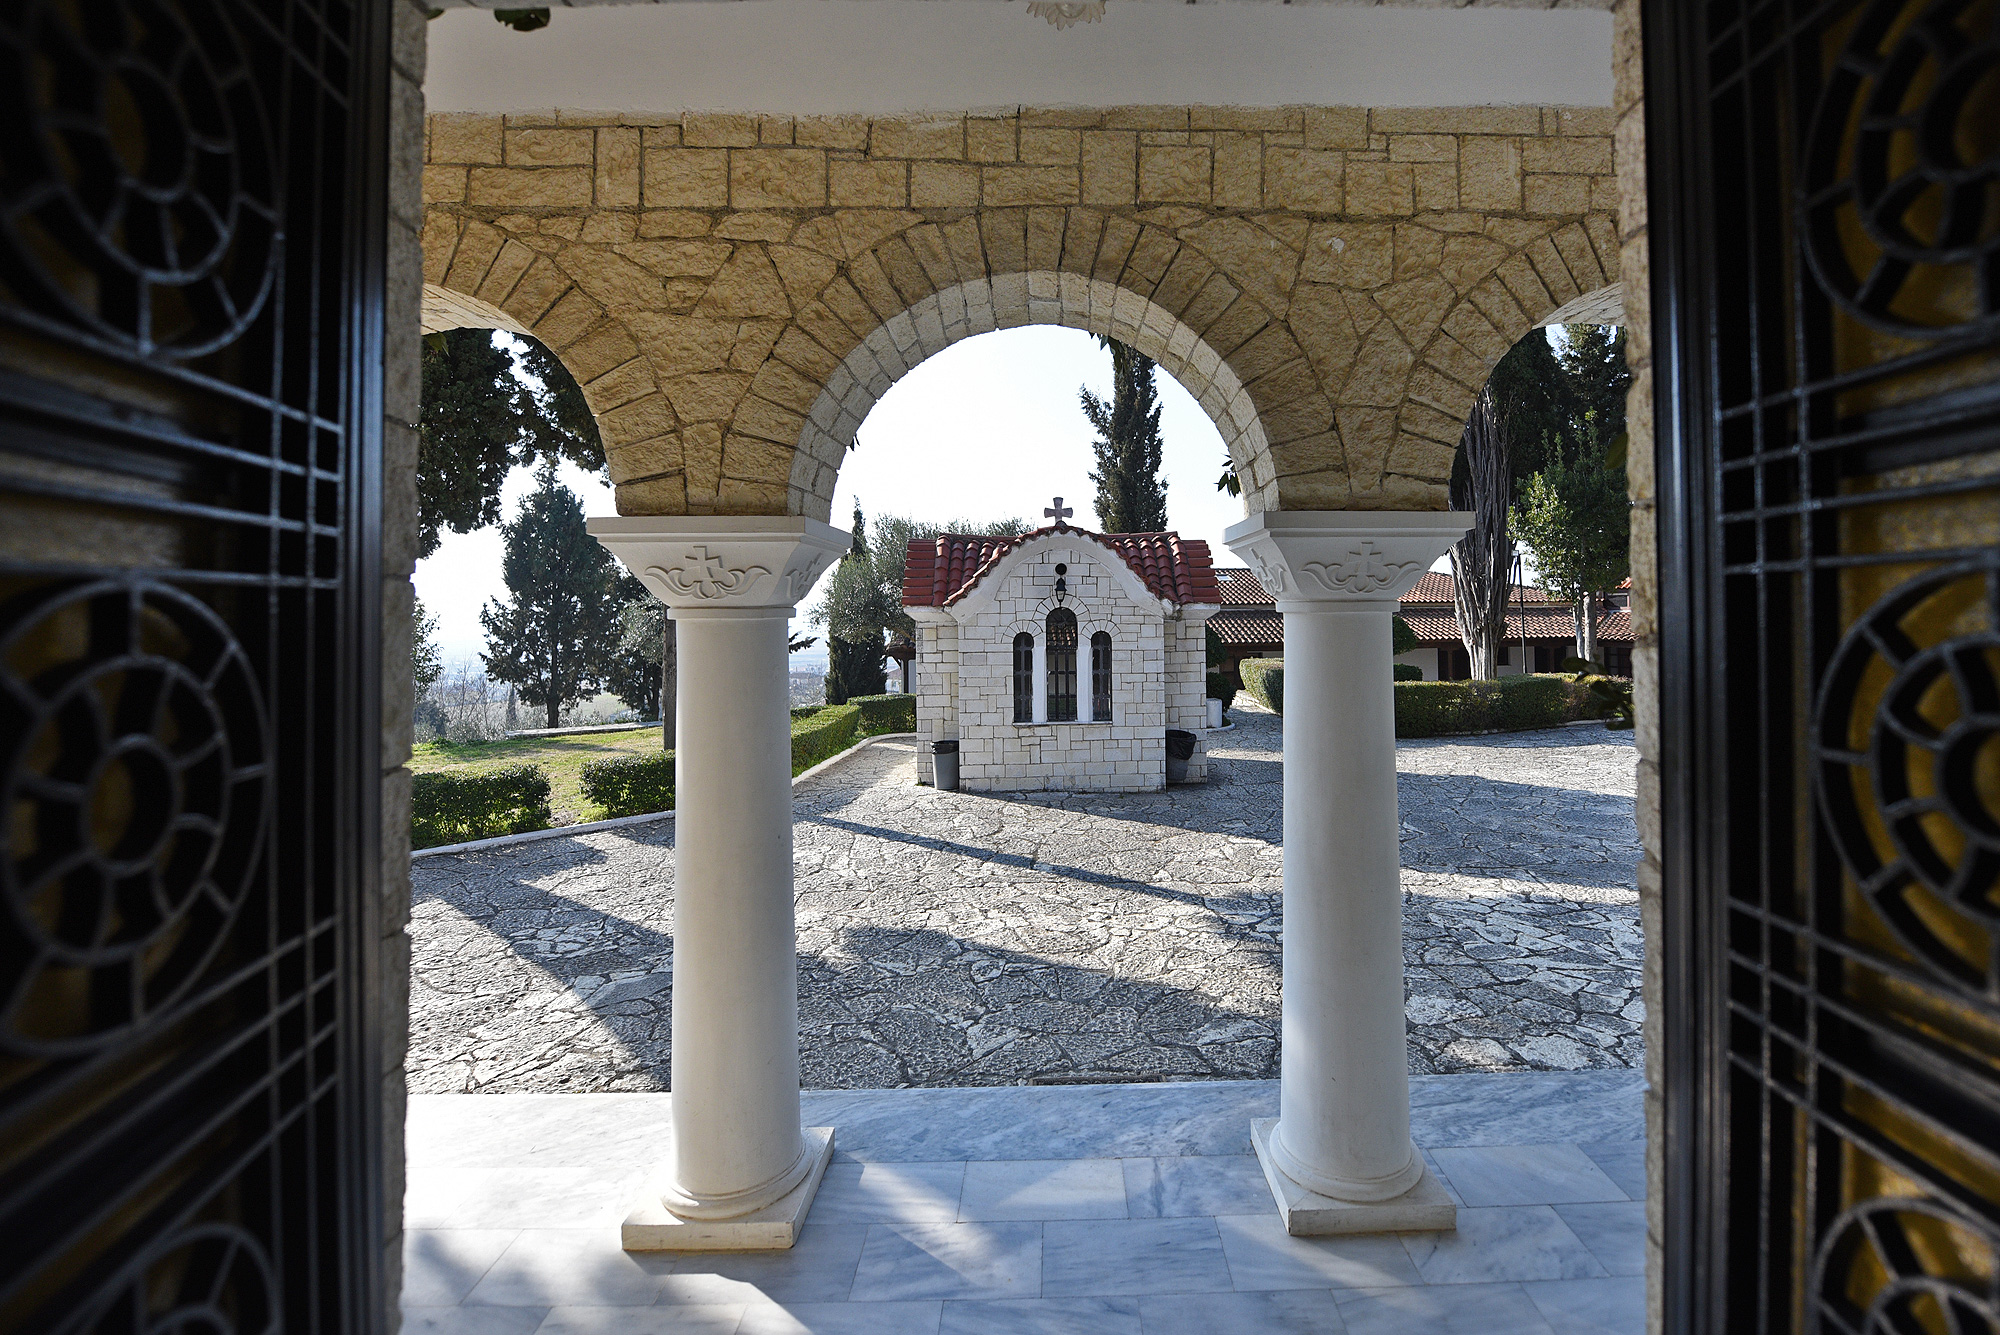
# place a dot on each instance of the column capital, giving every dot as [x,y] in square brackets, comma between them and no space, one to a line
[1312,557]
[737,561]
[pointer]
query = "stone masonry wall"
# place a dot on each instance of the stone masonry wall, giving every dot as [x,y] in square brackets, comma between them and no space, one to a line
[934,677]
[735,292]
[996,754]
[1187,681]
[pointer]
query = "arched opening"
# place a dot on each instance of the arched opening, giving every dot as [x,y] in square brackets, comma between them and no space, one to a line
[1060,654]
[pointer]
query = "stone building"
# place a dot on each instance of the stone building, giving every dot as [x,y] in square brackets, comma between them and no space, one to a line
[1059,659]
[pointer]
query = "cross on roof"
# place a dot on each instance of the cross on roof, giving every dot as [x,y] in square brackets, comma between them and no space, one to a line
[1058,511]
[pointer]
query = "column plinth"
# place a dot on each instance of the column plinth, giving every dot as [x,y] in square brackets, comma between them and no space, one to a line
[741,1171]
[1339,1156]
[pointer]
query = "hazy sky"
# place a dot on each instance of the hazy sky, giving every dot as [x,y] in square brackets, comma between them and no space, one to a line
[987,429]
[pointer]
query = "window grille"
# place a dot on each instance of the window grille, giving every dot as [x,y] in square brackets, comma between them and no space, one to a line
[1100,677]
[1024,678]
[1062,665]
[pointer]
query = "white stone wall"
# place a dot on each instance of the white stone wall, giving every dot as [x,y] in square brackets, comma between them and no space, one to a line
[935,678]
[1425,658]
[1187,680]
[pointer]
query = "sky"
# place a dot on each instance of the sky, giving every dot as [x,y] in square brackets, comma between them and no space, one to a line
[988,429]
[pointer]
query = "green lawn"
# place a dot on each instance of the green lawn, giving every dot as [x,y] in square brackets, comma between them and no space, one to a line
[563,758]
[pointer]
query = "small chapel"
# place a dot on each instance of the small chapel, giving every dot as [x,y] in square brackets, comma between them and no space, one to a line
[1060,659]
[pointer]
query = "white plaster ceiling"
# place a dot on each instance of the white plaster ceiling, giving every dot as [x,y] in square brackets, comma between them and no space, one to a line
[877,57]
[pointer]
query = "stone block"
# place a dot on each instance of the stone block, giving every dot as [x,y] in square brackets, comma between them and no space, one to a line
[713,129]
[550,147]
[1556,194]
[617,162]
[1489,174]
[1336,127]
[1302,178]
[1380,189]
[777,178]
[940,137]
[848,133]
[1173,175]
[651,1228]
[1050,147]
[687,178]
[465,138]
[867,184]
[530,187]
[1006,187]
[943,185]
[1110,172]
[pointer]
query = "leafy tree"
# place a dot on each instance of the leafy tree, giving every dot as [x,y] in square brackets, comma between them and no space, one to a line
[632,666]
[1576,519]
[1402,640]
[1130,496]
[487,407]
[549,639]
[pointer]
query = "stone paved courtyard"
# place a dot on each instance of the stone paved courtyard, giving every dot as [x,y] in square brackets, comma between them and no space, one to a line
[960,939]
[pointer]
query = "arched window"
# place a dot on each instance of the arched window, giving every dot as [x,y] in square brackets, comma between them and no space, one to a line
[1062,665]
[1100,677]
[1024,678]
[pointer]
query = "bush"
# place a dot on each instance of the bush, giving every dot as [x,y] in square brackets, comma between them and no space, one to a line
[1221,688]
[450,808]
[1264,678]
[805,711]
[1409,672]
[631,785]
[886,713]
[1512,704]
[824,735]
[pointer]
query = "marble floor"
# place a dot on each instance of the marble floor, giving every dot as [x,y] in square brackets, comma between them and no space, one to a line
[1069,1210]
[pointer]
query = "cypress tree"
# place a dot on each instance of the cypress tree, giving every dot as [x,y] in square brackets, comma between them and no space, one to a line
[552,636]
[1131,498]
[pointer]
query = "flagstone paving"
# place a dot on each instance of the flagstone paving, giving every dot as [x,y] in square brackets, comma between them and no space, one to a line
[961,939]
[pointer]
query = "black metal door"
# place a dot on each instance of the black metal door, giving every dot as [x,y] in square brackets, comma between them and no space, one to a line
[191,220]
[1825,211]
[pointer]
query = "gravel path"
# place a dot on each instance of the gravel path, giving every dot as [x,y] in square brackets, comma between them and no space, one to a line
[959,939]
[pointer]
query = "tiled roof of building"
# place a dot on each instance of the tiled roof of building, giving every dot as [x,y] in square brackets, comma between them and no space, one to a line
[1243,629]
[942,570]
[1241,589]
[1442,627]
[1435,587]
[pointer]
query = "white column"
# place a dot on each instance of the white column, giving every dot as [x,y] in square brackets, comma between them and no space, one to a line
[1339,1156]
[1041,714]
[741,1171]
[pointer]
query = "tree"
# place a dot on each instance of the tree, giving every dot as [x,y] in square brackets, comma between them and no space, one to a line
[1576,519]
[1572,512]
[550,638]
[426,664]
[1130,496]
[487,407]
[1480,560]
[632,665]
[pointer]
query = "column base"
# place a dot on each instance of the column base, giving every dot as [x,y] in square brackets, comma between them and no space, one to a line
[1424,1208]
[651,1227]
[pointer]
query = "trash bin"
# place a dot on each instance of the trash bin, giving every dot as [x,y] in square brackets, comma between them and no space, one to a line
[1214,712]
[1180,750]
[944,765]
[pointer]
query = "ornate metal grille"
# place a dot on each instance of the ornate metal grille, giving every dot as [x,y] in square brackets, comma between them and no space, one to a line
[192,210]
[1100,677]
[1826,248]
[1061,665]
[1024,678]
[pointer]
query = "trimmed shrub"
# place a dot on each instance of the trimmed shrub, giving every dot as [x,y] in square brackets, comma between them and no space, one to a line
[1264,678]
[824,735]
[450,808]
[1409,672]
[886,713]
[631,785]
[1531,702]
[805,711]
[1512,704]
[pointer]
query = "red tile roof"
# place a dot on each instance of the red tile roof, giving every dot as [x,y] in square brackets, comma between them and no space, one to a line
[1242,629]
[1241,589]
[1435,587]
[1442,627]
[942,570]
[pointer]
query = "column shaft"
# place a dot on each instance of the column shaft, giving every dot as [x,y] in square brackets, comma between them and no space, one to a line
[1344,1115]
[736,1142]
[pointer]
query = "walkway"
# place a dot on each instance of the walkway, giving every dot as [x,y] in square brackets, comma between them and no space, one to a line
[956,939]
[1125,1210]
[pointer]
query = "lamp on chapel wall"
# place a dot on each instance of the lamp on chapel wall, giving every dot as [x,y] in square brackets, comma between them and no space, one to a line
[1062,585]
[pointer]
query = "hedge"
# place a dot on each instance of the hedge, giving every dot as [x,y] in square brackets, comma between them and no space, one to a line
[886,713]
[1220,688]
[1446,708]
[824,735]
[448,807]
[1409,672]
[1264,678]
[631,785]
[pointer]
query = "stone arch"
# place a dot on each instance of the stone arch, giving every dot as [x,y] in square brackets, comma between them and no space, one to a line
[733,293]
[1011,301]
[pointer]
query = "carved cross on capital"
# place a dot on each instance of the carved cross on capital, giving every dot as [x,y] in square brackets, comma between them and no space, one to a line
[1058,512]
